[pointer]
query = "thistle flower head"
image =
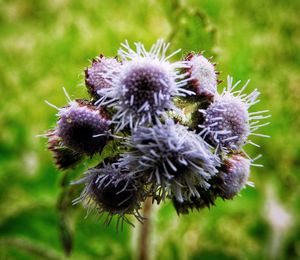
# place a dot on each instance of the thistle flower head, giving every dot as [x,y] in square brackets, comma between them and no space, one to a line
[227,121]
[143,87]
[234,176]
[191,162]
[203,75]
[82,127]
[64,157]
[110,190]
[94,74]
[172,159]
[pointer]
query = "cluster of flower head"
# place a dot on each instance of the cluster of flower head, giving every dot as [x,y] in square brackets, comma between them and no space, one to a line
[180,139]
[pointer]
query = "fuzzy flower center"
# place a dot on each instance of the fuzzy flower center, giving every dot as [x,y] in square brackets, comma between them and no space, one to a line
[146,88]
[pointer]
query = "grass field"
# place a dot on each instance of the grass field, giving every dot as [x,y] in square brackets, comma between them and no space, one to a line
[45,45]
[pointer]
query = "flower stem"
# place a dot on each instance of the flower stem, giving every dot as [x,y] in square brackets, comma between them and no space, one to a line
[144,237]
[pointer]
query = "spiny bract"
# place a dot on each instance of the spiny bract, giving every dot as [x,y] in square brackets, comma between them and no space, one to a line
[63,156]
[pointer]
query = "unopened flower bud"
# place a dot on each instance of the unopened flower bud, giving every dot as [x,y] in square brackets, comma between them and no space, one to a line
[202,74]
[82,127]
[94,75]
[233,176]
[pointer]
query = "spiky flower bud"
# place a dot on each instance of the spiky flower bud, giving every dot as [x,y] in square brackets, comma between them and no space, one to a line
[112,190]
[94,79]
[143,87]
[64,157]
[172,159]
[234,176]
[227,121]
[202,74]
[82,127]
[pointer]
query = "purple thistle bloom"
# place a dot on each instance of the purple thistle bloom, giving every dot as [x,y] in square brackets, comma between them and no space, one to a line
[191,162]
[143,87]
[170,158]
[109,189]
[227,121]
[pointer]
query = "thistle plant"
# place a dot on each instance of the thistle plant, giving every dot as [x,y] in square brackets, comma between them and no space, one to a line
[179,138]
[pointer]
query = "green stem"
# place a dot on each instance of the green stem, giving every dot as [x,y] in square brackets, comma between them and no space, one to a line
[145,231]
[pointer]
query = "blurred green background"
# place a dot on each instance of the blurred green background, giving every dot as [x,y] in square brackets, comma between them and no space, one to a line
[45,45]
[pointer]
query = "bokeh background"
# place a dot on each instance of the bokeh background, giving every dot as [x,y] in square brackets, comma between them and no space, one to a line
[46,44]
